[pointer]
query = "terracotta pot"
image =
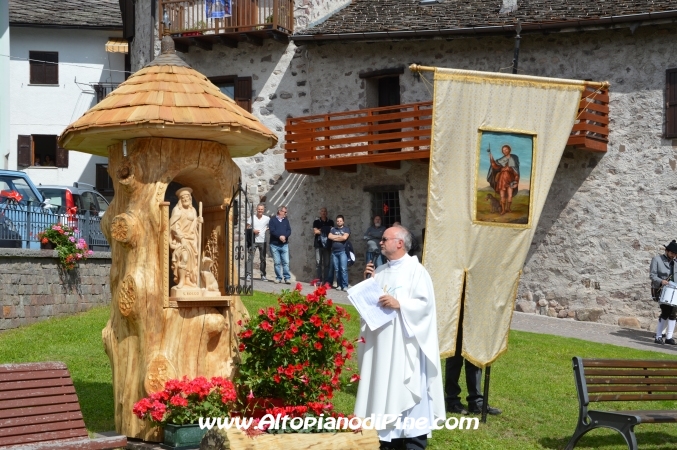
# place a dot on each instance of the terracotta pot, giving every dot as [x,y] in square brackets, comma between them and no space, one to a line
[47,246]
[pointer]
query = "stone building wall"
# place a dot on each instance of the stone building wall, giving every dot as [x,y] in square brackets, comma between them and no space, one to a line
[606,215]
[32,288]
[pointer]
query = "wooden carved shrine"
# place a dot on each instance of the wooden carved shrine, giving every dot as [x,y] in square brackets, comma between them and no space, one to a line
[172,313]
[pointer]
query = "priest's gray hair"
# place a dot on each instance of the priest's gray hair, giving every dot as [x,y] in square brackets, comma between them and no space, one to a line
[405,235]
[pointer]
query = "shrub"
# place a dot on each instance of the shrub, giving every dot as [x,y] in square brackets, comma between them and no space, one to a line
[185,401]
[296,352]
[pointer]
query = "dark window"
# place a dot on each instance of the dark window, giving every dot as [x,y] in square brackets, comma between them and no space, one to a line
[103,89]
[237,88]
[671,104]
[104,184]
[388,91]
[40,150]
[387,205]
[44,67]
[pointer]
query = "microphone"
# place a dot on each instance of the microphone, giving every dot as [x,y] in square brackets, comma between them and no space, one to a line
[373,261]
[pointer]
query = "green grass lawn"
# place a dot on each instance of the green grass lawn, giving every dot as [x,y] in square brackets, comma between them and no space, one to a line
[532,383]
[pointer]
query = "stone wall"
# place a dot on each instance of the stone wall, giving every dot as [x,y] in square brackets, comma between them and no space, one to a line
[606,215]
[33,288]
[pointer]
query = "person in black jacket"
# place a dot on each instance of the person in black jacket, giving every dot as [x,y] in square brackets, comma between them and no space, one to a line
[280,230]
[323,264]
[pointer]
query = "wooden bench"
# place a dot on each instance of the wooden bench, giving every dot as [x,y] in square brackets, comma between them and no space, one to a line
[39,410]
[612,380]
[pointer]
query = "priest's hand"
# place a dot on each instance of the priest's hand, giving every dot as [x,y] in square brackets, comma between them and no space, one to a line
[369,270]
[389,301]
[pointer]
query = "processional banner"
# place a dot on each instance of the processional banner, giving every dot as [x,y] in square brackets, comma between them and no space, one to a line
[497,140]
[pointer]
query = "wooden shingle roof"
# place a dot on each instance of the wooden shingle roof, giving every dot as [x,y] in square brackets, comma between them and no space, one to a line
[66,13]
[392,16]
[167,98]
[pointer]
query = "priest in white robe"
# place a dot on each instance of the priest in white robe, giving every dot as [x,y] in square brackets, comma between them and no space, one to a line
[399,363]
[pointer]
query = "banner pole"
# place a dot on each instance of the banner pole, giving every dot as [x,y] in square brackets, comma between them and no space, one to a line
[594,84]
[485,404]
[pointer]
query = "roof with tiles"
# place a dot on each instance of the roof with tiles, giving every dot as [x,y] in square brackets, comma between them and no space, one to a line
[167,98]
[66,13]
[373,16]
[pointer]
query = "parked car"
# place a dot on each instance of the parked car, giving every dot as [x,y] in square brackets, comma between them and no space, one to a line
[81,207]
[76,199]
[22,209]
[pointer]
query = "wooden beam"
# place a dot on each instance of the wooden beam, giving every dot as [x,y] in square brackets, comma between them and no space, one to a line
[254,40]
[349,168]
[201,43]
[307,171]
[228,41]
[382,72]
[388,164]
[279,37]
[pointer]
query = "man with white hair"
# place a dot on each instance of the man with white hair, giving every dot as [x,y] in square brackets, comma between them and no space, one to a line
[399,362]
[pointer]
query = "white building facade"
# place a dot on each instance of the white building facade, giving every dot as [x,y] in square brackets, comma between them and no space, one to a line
[58,67]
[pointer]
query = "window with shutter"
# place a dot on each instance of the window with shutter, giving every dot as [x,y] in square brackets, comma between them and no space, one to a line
[237,88]
[24,151]
[61,156]
[671,104]
[44,67]
[243,93]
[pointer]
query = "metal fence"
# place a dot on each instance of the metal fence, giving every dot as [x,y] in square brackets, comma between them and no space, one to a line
[21,224]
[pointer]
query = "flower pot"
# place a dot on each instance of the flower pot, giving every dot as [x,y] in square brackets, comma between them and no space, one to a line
[191,33]
[181,437]
[47,246]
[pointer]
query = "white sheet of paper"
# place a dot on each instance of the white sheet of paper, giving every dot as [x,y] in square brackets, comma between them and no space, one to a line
[364,296]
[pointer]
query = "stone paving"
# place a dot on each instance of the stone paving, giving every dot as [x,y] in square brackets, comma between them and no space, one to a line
[534,323]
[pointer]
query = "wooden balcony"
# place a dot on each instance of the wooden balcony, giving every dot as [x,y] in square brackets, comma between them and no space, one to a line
[249,21]
[385,136]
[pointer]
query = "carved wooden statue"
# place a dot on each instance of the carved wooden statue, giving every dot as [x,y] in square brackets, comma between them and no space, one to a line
[167,123]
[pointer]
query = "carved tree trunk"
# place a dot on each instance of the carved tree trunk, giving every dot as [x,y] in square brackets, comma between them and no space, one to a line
[147,341]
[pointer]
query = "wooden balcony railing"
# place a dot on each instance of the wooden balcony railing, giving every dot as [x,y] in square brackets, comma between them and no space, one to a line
[249,20]
[381,136]
[386,136]
[591,129]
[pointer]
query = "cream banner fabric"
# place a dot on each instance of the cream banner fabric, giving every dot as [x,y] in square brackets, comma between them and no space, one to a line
[497,140]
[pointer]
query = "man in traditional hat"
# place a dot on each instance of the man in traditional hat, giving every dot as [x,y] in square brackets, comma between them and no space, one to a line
[183,226]
[662,272]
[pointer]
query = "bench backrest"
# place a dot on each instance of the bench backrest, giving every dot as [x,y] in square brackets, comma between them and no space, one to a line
[38,403]
[609,380]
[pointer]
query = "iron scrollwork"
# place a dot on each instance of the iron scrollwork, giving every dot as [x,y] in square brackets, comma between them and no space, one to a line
[239,212]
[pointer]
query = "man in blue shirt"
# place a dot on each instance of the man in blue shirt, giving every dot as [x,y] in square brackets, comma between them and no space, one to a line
[339,235]
[280,230]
